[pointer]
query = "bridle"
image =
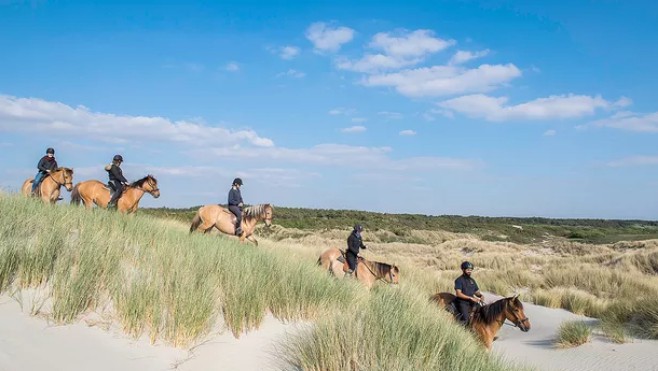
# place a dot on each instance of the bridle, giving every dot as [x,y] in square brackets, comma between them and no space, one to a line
[381,278]
[65,183]
[518,322]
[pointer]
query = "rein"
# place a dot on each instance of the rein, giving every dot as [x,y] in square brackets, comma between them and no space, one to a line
[380,278]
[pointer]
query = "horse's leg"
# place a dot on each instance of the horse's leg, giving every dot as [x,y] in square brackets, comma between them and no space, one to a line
[253,239]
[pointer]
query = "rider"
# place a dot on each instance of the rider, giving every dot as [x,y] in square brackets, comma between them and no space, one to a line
[235,204]
[46,165]
[117,180]
[467,293]
[354,243]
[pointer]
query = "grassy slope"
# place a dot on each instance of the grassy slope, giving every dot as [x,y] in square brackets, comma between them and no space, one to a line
[162,282]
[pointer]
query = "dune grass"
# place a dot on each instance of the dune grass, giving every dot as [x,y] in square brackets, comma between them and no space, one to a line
[159,281]
[573,333]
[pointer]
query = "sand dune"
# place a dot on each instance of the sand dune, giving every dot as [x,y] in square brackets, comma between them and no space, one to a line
[30,343]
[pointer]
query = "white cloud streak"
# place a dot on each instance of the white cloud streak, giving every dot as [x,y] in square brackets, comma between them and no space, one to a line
[288,52]
[553,107]
[232,67]
[463,56]
[354,129]
[445,80]
[292,73]
[30,115]
[397,50]
[326,38]
[630,121]
[407,133]
[634,161]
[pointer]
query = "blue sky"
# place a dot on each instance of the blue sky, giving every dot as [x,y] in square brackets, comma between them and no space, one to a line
[498,108]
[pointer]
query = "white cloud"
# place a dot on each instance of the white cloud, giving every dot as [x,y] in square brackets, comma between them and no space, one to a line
[31,115]
[354,129]
[445,80]
[634,161]
[292,73]
[359,119]
[463,56]
[232,67]
[549,133]
[552,107]
[288,52]
[407,133]
[342,111]
[647,123]
[326,38]
[390,115]
[400,50]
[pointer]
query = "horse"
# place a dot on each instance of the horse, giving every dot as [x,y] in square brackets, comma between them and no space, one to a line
[92,192]
[367,272]
[486,320]
[49,189]
[214,216]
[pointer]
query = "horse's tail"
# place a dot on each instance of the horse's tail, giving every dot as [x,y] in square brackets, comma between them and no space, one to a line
[75,195]
[196,222]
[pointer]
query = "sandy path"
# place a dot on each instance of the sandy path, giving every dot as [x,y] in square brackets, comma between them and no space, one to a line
[536,348]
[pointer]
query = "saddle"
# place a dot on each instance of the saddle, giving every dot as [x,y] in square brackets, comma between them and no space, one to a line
[234,219]
[37,193]
[343,259]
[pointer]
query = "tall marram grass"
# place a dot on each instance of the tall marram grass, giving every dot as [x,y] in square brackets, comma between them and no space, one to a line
[159,280]
[396,329]
[162,282]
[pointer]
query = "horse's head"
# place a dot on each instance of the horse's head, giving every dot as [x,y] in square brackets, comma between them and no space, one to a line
[390,273]
[515,314]
[148,184]
[64,176]
[268,214]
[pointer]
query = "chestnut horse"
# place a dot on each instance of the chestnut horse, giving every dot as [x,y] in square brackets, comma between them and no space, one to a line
[92,192]
[49,189]
[214,216]
[486,320]
[367,272]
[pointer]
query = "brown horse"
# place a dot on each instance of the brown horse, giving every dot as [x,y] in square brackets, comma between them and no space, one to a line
[92,192]
[367,272]
[214,216]
[486,320]
[49,189]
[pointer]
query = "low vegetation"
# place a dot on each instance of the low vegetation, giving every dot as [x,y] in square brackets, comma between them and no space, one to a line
[573,333]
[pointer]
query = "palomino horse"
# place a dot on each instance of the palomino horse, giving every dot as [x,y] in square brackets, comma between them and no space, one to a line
[486,320]
[367,272]
[214,216]
[48,190]
[92,192]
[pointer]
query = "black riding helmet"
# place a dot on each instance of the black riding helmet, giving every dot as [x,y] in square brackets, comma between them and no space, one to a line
[467,265]
[237,181]
[50,150]
[117,158]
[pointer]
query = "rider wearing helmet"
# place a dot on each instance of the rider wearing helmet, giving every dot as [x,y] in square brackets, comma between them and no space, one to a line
[46,165]
[354,243]
[235,204]
[467,292]
[117,180]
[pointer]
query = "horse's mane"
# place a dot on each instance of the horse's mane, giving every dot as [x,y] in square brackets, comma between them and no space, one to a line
[490,312]
[382,268]
[66,169]
[139,183]
[256,211]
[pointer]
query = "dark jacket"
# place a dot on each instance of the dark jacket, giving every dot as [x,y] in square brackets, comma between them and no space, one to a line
[47,163]
[234,197]
[116,175]
[467,285]
[354,243]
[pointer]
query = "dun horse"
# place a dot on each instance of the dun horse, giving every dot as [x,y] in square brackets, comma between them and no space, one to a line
[92,192]
[49,189]
[367,272]
[486,320]
[214,216]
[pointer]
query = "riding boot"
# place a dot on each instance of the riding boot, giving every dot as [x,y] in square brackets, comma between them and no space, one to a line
[238,231]
[348,274]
